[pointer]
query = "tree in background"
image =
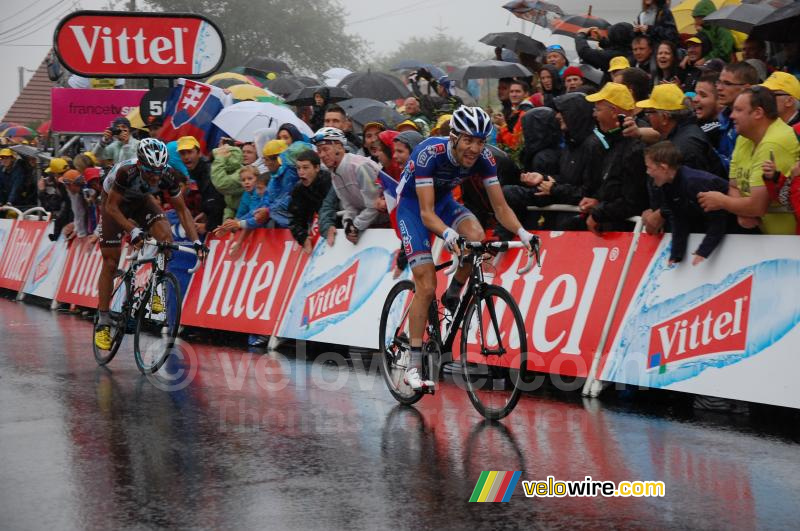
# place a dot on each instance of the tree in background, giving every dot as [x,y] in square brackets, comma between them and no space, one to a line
[437,49]
[307,34]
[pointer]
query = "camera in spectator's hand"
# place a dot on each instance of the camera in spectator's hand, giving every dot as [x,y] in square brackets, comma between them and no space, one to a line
[228,141]
[114,130]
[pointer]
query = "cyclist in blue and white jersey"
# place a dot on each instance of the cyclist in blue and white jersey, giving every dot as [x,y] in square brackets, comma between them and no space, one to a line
[426,205]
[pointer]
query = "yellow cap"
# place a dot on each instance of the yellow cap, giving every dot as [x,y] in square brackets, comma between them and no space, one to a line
[5,152]
[408,123]
[57,166]
[618,63]
[443,119]
[370,125]
[694,40]
[70,176]
[274,147]
[783,82]
[664,97]
[615,94]
[188,142]
[92,156]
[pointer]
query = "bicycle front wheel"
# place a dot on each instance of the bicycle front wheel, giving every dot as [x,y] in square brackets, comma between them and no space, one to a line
[119,316]
[157,324]
[493,352]
[394,337]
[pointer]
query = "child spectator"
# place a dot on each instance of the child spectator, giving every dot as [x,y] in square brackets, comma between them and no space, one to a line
[254,185]
[307,198]
[680,185]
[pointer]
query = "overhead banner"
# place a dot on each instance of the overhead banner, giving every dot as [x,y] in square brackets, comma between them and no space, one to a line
[340,295]
[18,252]
[82,269]
[244,291]
[131,44]
[726,327]
[90,110]
[48,264]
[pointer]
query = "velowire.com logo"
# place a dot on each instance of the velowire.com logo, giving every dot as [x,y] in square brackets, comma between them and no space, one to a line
[494,486]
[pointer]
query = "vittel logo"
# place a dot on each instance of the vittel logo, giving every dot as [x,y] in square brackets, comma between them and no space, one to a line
[20,249]
[717,326]
[331,299]
[126,49]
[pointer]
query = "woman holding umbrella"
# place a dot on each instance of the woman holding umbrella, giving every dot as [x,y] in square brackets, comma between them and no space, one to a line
[321,97]
[656,22]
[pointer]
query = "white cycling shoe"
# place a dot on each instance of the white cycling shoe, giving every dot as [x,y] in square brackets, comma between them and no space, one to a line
[414,380]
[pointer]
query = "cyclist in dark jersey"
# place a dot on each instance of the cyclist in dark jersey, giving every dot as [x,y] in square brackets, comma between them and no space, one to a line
[130,206]
[426,206]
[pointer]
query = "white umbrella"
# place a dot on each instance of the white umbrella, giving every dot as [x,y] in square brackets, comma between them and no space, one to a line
[337,73]
[241,120]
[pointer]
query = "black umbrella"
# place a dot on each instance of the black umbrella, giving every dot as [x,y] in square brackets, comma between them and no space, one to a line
[305,95]
[375,85]
[515,41]
[267,65]
[741,17]
[285,85]
[414,64]
[491,69]
[382,113]
[354,105]
[571,25]
[782,26]
[308,81]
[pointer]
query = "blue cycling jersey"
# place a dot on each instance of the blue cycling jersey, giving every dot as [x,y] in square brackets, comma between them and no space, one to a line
[432,164]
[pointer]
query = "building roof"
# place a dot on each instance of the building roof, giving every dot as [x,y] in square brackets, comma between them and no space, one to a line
[33,103]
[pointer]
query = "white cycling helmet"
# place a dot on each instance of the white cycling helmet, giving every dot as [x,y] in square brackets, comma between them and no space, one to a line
[472,121]
[329,134]
[152,153]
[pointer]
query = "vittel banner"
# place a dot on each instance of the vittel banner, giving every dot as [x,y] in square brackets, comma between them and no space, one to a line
[243,291]
[122,44]
[19,251]
[726,327]
[82,269]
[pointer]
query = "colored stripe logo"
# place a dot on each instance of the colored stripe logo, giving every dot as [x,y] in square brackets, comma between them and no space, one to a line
[494,486]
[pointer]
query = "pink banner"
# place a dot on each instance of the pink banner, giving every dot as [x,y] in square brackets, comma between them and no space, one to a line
[90,110]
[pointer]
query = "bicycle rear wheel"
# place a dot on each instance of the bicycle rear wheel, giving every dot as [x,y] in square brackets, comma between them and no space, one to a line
[493,352]
[157,324]
[119,315]
[394,342]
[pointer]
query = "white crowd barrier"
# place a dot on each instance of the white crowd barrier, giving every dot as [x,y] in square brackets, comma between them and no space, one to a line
[603,308]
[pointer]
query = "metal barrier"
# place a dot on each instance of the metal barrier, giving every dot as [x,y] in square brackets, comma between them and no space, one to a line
[9,208]
[36,213]
[592,386]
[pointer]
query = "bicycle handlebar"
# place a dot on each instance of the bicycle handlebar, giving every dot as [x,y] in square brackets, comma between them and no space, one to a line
[480,247]
[166,245]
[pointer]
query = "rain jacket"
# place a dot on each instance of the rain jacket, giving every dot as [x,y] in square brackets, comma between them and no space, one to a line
[623,187]
[116,150]
[618,43]
[225,178]
[542,136]
[212,202]
[354,182]
[306,202]
[722,42]
[249,202]
[387,139]
[276,198]
[558,85]
[664,28]
[12,183]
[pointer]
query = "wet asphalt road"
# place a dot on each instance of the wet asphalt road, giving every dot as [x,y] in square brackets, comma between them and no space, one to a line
[283,442]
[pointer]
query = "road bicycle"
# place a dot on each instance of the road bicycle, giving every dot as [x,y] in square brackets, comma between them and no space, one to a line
[146,302]
[487,322]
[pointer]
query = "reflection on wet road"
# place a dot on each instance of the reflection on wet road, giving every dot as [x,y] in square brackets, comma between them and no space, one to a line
[269,441]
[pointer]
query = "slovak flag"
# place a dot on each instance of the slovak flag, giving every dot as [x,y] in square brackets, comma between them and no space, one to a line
[190,110]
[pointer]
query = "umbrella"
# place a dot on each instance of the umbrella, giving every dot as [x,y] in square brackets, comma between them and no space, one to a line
[783,25]
[377,113]
[241,120]
[267,65]
[740,18]
[308,81]
[515,41]
[245,91]
[305,95]
[533,10]
[285,85]
[337,73]
[414,64]
[18,131]
[27,151]
[229,82]
[570,25]
[375,85]
[234,76]
[354,105]
[592,74]
[135,118]
[6,125]
[683,14]
[491,69]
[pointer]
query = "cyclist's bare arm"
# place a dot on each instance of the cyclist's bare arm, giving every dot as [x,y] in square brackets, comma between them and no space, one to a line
[432,222]
[187,221]
[112,209]
[504,214]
